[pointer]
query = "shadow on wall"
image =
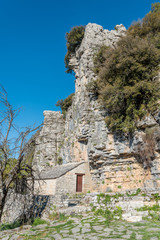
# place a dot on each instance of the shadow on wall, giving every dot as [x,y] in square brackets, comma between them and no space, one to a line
[39,204]
[35,210]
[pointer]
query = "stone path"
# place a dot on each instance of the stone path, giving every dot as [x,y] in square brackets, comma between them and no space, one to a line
[86,227]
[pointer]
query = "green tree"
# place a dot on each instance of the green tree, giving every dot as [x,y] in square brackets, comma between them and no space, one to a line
[74,39]
[65,104]
[150,24]
[127,84]
[155,7]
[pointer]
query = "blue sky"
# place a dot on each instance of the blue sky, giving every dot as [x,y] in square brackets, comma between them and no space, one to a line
[33,46]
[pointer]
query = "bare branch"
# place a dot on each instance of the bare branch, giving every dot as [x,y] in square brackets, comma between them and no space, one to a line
[12,150]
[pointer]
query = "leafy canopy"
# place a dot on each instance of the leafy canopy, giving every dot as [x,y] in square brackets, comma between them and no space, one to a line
[150,24]
[11,163]
[65,104]
[74,39]
[127,84]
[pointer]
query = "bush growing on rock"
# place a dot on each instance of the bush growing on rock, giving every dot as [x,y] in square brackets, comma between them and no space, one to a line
[38,221]
[127,85]
[150,24]
[74,39]
[65,104]
[8,226]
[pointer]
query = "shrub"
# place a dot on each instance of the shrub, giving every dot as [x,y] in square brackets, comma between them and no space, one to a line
[99,196]
[105,213]
[58,216]
[155,207]
[8,226]
[108,215]
[99,58]
[134,194]
[74,39]
[65,104]
[127,84]
[156,197]
[99,212]
[63,217]
[92,87]
[118,211]
[59,160]
[38,221]
[107,199]
[117,195]
[150,24]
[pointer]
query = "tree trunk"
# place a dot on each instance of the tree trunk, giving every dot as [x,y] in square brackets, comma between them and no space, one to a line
[2,202]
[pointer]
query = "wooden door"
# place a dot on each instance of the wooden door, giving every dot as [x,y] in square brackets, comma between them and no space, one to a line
[79,183]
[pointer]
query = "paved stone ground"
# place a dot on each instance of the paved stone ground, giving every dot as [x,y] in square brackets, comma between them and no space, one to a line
[86,227]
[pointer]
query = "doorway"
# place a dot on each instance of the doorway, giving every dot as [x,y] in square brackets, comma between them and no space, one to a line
[79,182]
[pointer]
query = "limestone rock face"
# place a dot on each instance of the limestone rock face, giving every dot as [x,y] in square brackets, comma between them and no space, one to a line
[84,135]
[48,141]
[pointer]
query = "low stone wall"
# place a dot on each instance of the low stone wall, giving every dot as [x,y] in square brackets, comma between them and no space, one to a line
[131,206]
[67,183]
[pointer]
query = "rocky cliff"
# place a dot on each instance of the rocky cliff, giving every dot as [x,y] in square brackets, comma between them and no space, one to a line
[116,162]
[49,141]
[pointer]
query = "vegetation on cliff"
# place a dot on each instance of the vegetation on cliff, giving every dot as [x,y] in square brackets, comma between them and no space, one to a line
[74,39]
[65,104]
[127,85]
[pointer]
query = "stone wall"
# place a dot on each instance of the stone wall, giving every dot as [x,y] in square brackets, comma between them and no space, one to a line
[132,206]
[67,183]
[45,187]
